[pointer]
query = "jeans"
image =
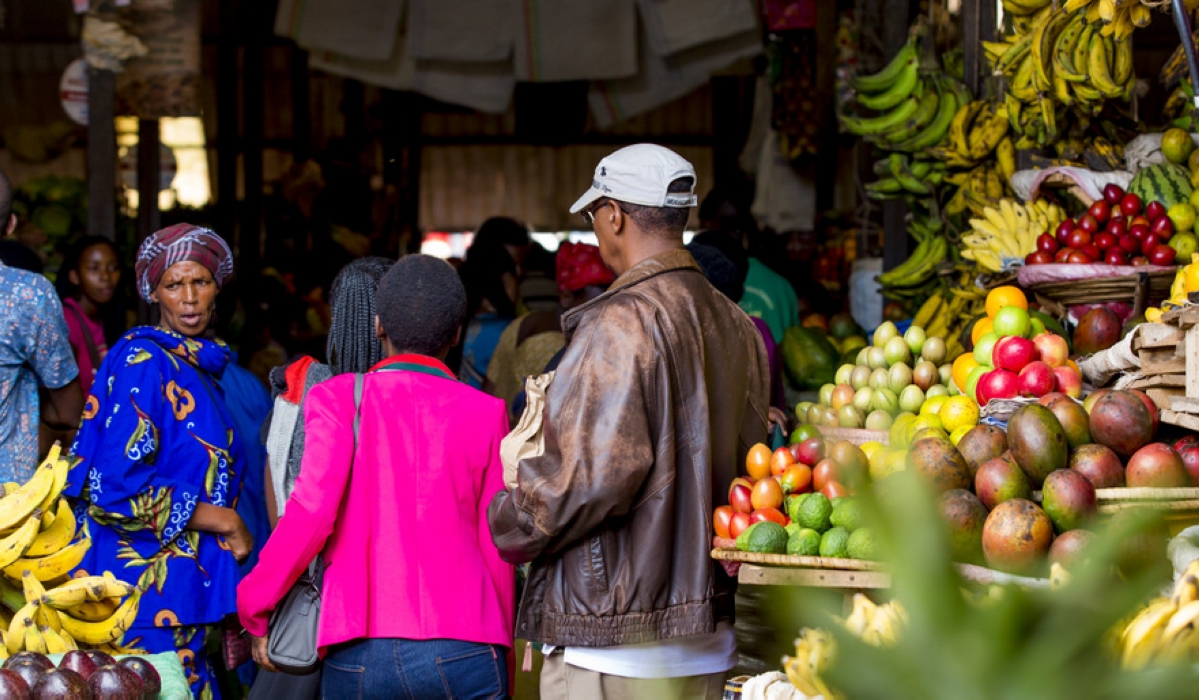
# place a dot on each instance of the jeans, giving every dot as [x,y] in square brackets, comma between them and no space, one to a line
[415,670]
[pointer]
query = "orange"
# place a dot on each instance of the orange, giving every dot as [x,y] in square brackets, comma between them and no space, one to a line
[757,462]
[1006,295]
[962,367]
[981,328]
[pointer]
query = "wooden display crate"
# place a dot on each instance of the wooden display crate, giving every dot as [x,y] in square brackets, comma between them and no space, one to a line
[1169,353]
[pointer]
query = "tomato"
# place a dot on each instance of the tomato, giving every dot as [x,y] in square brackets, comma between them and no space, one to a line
[824,472]
[738,524]
[767,493]
[796,479]
[834,489]
[811,451]
[771,514]
[1079,258]
[1061,255]
[780,460]
[721,517]
[757,462]
[740,499]
[1078,238]
[1101,210]
[744,481]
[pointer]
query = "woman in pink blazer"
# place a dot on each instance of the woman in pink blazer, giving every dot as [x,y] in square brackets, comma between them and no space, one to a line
[416,602]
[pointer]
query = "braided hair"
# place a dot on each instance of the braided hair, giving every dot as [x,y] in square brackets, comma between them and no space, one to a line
[352,345]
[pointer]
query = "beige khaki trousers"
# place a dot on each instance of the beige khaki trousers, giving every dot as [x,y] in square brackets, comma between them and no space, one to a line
[560,681]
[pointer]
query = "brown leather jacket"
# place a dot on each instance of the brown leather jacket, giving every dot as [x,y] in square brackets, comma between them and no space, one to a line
[663,389]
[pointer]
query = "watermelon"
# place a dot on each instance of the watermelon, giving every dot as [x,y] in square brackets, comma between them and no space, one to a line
[1167,183]
[810,359]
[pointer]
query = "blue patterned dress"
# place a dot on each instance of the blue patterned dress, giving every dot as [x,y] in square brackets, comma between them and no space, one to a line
[156,440]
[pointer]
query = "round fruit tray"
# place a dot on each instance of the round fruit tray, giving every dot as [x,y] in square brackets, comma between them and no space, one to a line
[857,436]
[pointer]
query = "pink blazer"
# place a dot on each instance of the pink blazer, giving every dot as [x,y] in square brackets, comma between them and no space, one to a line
[405,529]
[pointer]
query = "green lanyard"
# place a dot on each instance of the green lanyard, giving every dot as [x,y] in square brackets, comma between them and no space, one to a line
[401,366]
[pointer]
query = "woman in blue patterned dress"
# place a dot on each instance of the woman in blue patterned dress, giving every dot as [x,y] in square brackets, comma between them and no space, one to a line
[161,469]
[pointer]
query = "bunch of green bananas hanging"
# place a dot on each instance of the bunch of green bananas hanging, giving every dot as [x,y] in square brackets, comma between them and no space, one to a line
[983,154]
[1166,630]
[915,279]
[913,106]
[900,176]
[1063,61]
[1007,234]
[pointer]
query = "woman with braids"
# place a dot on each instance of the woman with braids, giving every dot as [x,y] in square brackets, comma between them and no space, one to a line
[160,466]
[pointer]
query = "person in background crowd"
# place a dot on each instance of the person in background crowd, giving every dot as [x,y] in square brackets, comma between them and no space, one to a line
[87,283]
[158,438]
[662,389]
[490,278]
[352,347]
[725,264]
[416,602]
[530,343]
[538,287]
[510,234]
[768,295]
[34,351]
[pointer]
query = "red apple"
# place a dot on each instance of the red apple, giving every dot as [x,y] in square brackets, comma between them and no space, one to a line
[1077,238]
[1014,353]
[1162,255]
[1036,380]
[1130,244]
[1130,205]
[1062,255]
[1115,256]
[1053,349]
[1068,381]
[1113,193]
[1155,211]
[1092,252]
[1117,226]
[1063,230]
[998,384]
[1101,210]
[1139,261]
[1038,258]
[1105,240]
[1079,258]
[1047,243]
[1088,223]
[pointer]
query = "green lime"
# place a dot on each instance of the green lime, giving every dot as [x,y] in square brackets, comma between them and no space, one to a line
[814,512]
[861,545]
[848,514]
[804,542]
[763,538]
[835,543]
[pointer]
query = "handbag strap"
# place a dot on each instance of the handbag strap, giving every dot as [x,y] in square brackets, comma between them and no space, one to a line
[359,388]
[88,340]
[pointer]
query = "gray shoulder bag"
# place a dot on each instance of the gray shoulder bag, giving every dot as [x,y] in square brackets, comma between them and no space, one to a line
[296,620]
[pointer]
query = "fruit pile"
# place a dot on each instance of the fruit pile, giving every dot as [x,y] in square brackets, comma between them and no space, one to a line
[797,500]
[81,675]
[815,649]
[1065,449]
[896,375]
[1116,230]
[1014,355]
[39,552]
[1165,630]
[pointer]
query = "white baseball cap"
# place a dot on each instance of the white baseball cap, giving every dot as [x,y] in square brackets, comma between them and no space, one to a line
[640,174]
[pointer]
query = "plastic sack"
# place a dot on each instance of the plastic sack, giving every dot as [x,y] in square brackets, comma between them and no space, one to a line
[1146,150]
[1027,183]
[865,293]
[1183,549]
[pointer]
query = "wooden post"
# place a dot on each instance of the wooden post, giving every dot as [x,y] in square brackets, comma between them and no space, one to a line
[978,25]
[101,155]
[895,233]
[253,109]
[148,175]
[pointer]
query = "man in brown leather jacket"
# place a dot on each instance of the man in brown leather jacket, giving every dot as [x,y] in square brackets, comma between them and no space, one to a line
[663,389]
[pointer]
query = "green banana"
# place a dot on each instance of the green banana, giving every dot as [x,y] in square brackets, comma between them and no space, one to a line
[919,119]
[870,84]
[1063,51]
[936,131]
[898,91]
[884,122]
[905,177]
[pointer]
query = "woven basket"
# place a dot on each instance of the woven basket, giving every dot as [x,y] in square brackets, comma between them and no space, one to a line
[857,436]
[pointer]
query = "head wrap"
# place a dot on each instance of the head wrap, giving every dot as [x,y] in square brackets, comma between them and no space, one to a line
[181,243]
[580,265]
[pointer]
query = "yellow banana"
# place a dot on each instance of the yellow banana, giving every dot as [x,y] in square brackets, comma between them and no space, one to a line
[13,547]
[1140,638]
[1182,619]
[16,507]
[51,567]
[1097,69]
[16,630]
[61,467]
[34,641]
[79,590]
[107,631]
[57,536]
[93,611]
[960,126]
[55,644]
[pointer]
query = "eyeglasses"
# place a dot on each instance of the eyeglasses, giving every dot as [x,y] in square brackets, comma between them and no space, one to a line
[589,213]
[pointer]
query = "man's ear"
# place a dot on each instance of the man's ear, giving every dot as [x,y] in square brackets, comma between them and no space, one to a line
[379,333]
[457,337]
[11,225]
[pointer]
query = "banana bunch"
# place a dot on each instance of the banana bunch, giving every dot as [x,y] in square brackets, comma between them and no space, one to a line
[877,625]
[1180,289]
[978,129]
[913,106]
[1176,67]
[1004,236]
[901,176]
[1065,58]
[815,650]
[1166,630]
[981,187]
[1118,17]
[919,268]
[39,548]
